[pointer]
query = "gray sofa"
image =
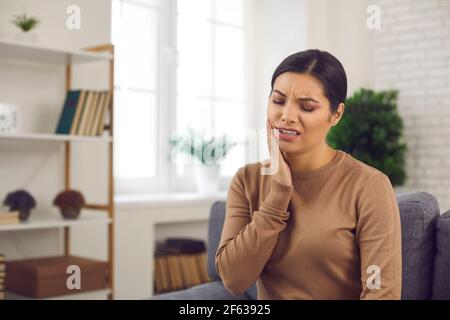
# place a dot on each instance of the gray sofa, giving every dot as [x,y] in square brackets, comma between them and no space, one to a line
[425,245]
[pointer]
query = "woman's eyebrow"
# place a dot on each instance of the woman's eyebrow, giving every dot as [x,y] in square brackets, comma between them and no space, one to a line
[300,99]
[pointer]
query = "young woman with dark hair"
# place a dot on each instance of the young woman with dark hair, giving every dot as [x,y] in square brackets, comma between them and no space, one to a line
[323,225]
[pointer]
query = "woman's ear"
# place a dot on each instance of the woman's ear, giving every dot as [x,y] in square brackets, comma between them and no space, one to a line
[336,117]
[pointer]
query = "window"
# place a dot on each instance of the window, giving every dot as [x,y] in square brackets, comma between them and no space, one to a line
[179,64]
[211,90]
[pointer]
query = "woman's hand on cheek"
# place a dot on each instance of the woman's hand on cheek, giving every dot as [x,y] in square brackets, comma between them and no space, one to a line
[279,168]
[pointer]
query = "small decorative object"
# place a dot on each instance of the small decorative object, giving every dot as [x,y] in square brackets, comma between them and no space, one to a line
[21,201]
[207,153]
[8,118]
[70,203]
[26,24]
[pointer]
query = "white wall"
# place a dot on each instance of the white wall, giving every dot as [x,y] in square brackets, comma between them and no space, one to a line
[38,91]
[279,29]
[340,28]
[410,53]
[413,55]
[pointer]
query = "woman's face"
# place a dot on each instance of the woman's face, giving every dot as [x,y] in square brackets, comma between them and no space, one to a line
[298,102]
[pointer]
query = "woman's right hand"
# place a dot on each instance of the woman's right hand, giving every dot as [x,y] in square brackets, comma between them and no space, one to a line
[282,173]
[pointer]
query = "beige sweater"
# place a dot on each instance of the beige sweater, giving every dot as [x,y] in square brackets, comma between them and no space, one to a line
[334,234]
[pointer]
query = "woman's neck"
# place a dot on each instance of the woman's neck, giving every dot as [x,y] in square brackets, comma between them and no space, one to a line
[313,159]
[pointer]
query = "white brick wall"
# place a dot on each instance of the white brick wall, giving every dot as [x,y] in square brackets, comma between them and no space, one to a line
[412,54]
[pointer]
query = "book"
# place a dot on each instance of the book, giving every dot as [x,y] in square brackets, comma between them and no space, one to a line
[104,112]
[194,270]
[68,112]
[176,268]
[157,276]
[91,115]
[175,272]
[95,119]
[9,221]
[165,274]
[9,215]
[201,265]
[85,113]
[80,106]
[80,116]
[9,218]
[186,245]
[186,274]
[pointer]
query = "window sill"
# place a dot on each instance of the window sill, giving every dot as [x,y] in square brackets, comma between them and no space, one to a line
[174,199]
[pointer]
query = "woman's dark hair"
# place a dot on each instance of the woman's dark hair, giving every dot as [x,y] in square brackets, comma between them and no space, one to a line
[322,65]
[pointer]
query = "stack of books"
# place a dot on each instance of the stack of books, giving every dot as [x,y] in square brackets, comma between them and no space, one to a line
[85,112]
[2,276]
[9,217]
[180,263]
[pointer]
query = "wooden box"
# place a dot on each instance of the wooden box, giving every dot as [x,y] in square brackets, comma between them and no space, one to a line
[48,277]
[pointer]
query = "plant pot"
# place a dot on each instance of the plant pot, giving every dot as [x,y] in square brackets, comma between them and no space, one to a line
[24,214]
[29,37]
[70,212]
[207,178]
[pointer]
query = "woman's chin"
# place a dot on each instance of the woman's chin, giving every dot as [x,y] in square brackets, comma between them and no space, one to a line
[289,147]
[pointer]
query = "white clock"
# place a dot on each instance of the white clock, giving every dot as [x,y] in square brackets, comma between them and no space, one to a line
[8,118]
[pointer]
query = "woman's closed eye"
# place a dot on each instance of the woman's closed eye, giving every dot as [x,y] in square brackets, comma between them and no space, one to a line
[281,102]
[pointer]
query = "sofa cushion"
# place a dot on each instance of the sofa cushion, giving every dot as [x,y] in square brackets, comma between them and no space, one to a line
[206,291]
[216,220]
[441,277]
[418,212]
[215,225]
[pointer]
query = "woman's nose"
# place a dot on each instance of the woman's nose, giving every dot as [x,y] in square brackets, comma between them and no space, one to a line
[290,113]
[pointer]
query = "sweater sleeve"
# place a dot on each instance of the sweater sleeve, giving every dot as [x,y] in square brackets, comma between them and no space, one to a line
[378,233]
[246,244]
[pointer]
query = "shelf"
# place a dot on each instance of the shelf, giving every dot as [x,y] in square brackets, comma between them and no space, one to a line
[53,137]
[83,295]
[38,53]
[37,222]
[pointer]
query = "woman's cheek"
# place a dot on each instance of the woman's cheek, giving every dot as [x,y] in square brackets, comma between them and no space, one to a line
[271,114]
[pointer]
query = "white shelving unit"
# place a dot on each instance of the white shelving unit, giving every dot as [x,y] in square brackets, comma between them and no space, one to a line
[39,221]
[34,52]
[10,49]
[76,296]
[52,137]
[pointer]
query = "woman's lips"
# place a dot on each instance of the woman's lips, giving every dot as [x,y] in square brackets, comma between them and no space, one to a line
[288,137]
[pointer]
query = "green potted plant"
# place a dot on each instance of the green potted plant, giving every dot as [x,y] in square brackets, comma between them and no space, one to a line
[207,153]
[371,131]
[69,203]
[25,24]
[21,201]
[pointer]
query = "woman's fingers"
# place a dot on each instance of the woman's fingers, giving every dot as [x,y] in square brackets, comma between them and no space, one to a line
[270,137]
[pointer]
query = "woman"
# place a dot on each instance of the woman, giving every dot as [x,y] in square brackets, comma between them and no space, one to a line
[323,225]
